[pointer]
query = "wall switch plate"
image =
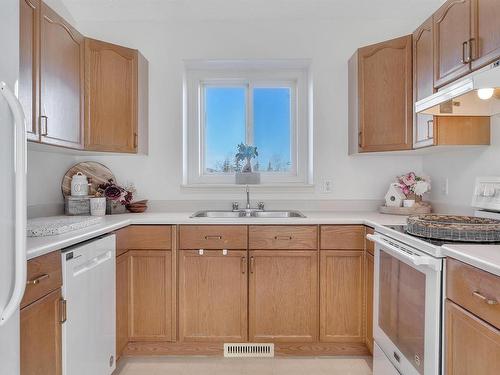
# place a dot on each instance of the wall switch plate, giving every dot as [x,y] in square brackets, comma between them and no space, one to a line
[327,186]
[445,186]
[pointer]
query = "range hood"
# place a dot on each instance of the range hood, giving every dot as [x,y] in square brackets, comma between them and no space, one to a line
[477,94]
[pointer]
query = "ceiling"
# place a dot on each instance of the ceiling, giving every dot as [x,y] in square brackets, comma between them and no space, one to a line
[247,9]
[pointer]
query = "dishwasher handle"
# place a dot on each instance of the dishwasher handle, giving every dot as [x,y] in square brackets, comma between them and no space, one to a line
[92,263]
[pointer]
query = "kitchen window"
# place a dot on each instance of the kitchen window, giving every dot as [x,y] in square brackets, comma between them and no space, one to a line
[261,104]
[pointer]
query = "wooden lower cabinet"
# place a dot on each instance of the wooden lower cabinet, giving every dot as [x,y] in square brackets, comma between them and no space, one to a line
[369,269]
[283,296]
[472,345]
[342,296]
[122,291]
[41,336]
[213,295]
[150,295]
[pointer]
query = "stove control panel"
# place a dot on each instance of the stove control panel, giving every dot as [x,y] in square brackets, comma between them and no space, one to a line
[487,193]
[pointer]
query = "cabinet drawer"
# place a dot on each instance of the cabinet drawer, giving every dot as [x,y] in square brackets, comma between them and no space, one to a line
[343,237]
[285,237]
[369,245]
[475,290]
[144,237]
[213,237]
[44,276]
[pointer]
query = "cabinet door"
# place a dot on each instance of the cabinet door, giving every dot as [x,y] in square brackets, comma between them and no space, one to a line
[29,39]
[213,295]
[41,336]
[472,346]
[452,32]
[485,32]
[122,290]
[61,81]
[150,295]
[283,297]
[423,82]
[385,96]
[110,97]
[342,296]
[369,264]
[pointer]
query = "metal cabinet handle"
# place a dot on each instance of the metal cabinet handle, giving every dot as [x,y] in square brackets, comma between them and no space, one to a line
[283,238]
[470,56]
[252,264]
[37,280]
[430,125]
[213,237]
[135,140]
[44,126]
[360,137]
[243,265]
[64,311]
[484,299]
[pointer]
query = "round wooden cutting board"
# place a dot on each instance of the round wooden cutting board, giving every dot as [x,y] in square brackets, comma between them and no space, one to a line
[97,172]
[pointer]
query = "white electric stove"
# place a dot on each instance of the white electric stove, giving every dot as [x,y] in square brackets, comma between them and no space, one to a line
[408,292]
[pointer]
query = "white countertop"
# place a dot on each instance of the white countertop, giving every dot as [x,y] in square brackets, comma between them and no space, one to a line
[485,257]
[37,246]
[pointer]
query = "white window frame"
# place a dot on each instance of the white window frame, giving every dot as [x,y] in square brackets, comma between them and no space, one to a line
[291,74]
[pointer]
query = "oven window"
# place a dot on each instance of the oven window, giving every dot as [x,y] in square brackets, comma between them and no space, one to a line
[402,307]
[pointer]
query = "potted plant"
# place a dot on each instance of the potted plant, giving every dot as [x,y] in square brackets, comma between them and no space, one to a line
[413,186]
[245,153]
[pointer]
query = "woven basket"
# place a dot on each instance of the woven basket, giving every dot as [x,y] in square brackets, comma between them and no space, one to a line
[454,228]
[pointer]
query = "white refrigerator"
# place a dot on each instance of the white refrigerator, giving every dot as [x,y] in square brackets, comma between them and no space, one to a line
[12,191]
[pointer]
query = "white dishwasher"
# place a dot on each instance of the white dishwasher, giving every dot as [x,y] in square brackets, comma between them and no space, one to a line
[89,345]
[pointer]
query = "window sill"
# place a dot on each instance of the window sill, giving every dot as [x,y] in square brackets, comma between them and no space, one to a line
[298,187]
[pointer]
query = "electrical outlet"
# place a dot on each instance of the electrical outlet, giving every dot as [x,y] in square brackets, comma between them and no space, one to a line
[445,186]
[327,186]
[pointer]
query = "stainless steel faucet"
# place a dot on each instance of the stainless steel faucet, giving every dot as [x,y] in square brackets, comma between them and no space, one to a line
[248,197]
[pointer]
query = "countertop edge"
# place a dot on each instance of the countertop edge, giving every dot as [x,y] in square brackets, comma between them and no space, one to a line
[38,246]
[461,254]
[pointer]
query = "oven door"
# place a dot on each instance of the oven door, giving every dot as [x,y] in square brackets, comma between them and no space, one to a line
[407,312]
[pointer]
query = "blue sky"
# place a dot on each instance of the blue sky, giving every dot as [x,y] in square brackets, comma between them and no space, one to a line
[225,109]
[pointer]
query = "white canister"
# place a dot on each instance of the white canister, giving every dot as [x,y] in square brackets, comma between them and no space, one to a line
[79,184]
[98,206]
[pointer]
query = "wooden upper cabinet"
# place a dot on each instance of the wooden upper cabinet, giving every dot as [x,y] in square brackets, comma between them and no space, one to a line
[485,32]
[29,42]
[61,81]
[471,345]
[384,97]
[452,34]
[41,336]
[423,82]
[111,119]
[283,296]
[213,295]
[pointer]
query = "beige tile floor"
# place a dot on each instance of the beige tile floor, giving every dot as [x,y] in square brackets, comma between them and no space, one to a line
[257,366]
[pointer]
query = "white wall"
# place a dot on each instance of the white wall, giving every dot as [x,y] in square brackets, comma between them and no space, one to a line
[461,167]
[166,35]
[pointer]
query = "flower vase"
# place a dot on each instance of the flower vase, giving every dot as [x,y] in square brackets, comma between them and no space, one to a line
[415,197]
[114,207]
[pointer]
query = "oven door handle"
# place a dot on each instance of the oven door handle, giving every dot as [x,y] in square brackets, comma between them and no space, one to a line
[417,260]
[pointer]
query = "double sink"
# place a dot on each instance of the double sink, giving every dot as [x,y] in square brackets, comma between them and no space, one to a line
[248,214]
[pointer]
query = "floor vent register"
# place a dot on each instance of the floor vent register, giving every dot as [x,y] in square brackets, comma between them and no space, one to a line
[247,350]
